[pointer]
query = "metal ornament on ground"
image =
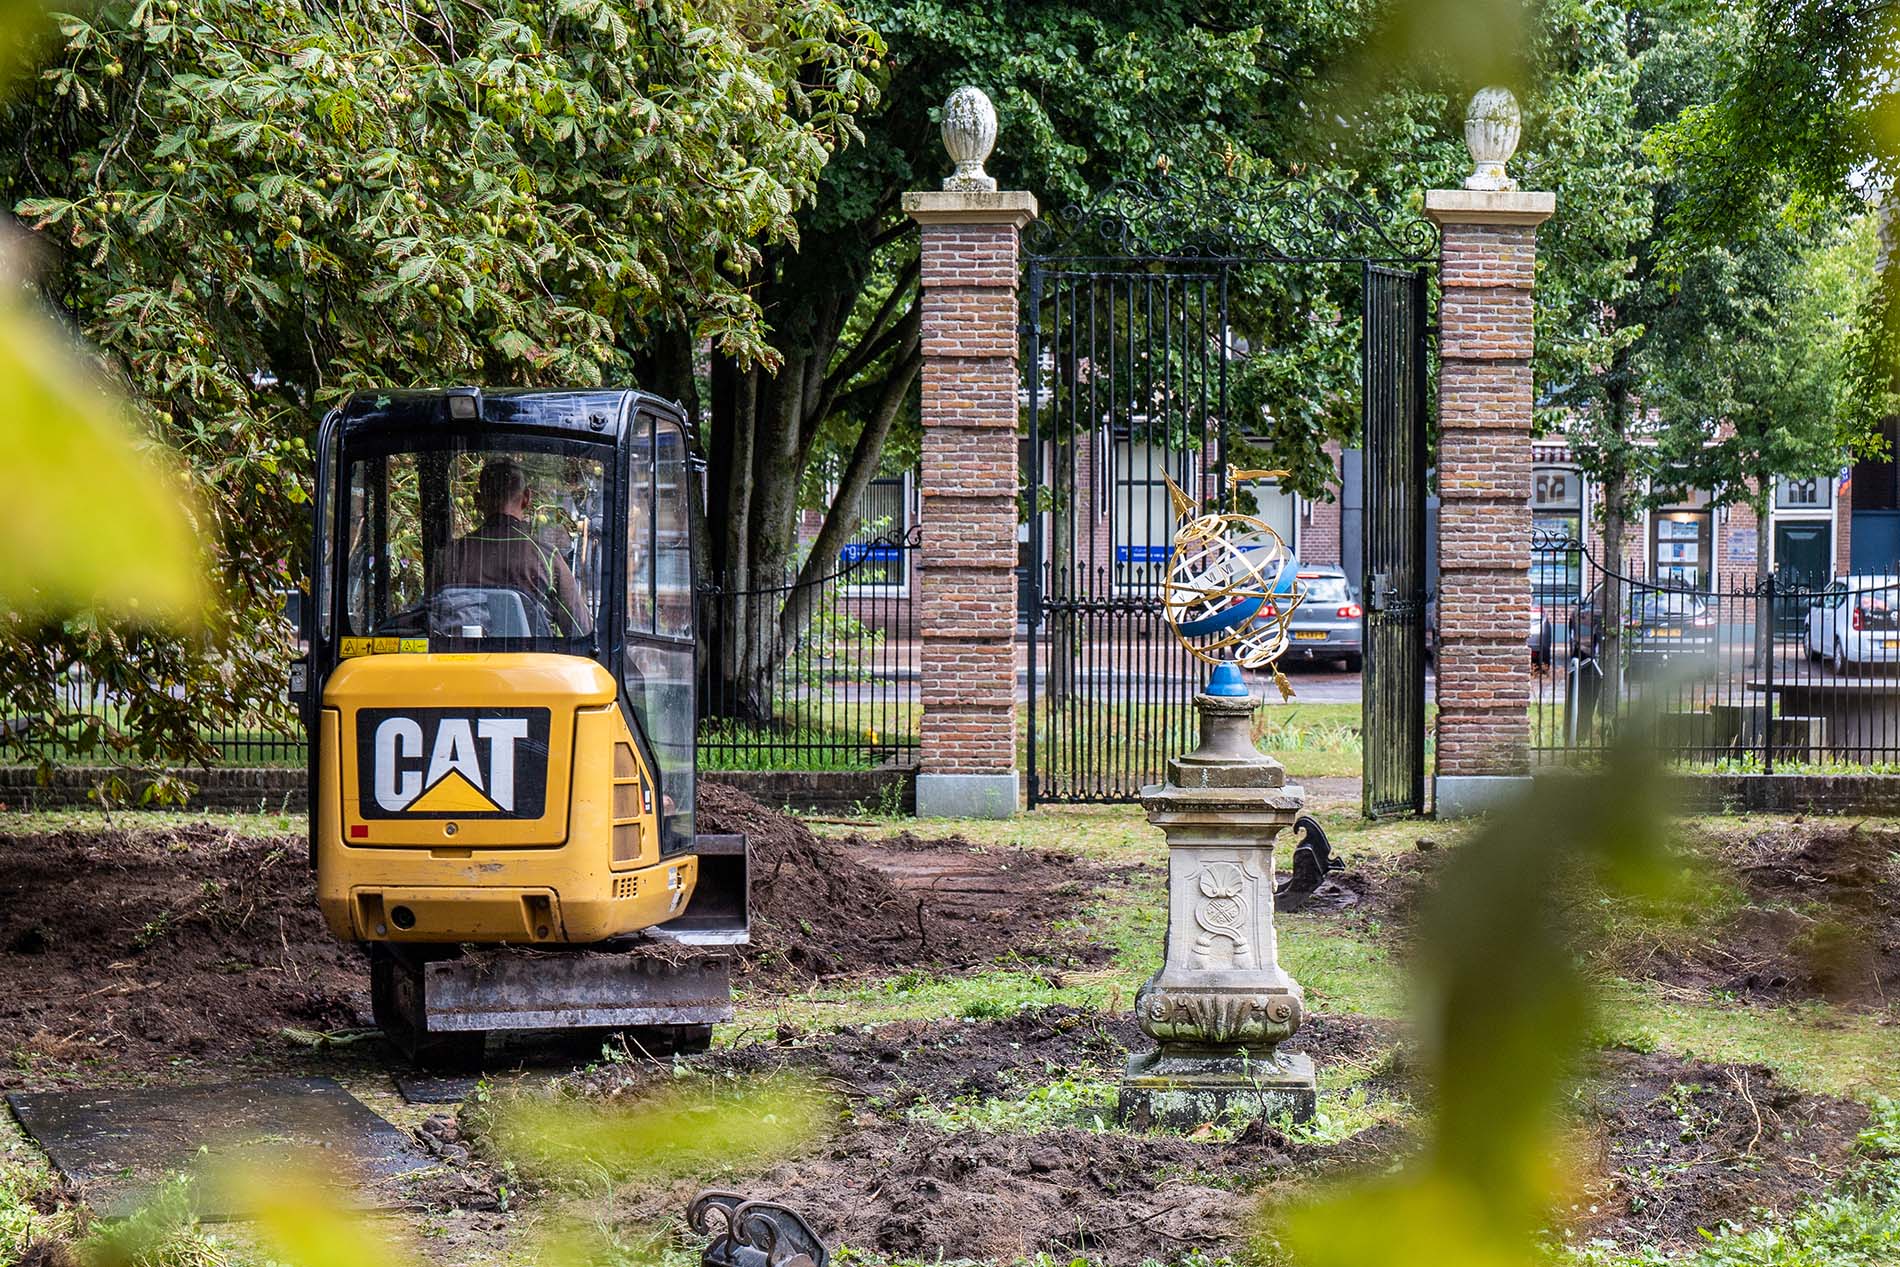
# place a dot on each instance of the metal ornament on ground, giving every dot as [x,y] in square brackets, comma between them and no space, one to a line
[753,1233]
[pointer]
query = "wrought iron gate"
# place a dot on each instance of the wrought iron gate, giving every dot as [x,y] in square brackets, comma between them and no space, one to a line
[1138,311]
[1392,723]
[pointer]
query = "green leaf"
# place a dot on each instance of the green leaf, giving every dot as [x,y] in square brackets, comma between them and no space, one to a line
[90,521]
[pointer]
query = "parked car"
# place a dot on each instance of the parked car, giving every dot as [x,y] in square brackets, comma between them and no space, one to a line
[1329,624]
[1856,620]
[1553,594]
[1659,626]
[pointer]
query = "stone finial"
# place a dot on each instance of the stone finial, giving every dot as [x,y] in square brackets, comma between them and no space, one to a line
[1492,127]
[969,133]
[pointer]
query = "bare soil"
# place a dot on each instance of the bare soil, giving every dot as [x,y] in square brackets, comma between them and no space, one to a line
[1677,1146]
[1685,1145]
[161,955]
[826,908]
[905,1063]
[909,1190]
[123,951]
[1820,918]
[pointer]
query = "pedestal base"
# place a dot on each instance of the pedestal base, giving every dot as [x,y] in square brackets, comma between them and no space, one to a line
[1181,1090]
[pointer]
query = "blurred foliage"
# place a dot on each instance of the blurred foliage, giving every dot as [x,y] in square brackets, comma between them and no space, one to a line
[694,1129]
[253,207]
[91,519]
[1503,1009]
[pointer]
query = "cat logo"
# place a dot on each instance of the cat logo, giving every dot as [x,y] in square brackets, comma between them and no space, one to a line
[452,762]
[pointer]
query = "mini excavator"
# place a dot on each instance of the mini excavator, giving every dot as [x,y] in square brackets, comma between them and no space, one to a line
[499,691]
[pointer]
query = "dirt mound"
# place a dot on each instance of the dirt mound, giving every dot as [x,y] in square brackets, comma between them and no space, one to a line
[1820,919]
[908,1062]
[130,949]
[1392,887]
[823,907]
[1685,1145]
[910,1191]
[914,1193]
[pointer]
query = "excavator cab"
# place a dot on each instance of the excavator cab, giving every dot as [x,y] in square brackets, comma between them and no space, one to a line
[499,693]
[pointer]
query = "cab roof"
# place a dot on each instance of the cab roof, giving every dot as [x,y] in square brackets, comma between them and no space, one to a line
[593,412]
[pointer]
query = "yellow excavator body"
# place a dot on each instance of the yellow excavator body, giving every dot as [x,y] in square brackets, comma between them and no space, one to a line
[486,798]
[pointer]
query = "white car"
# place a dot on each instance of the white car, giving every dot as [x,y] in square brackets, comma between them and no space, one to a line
[1856,621]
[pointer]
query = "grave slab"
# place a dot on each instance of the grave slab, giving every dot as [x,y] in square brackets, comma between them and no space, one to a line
[118,1146]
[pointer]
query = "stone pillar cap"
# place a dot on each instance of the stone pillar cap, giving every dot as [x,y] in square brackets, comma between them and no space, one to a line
[971,206]
[1489,206]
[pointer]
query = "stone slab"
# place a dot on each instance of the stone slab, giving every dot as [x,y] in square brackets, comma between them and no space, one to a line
[970,206]
[118,1146]
[1177,1091]
[968,795]
[1486,206]
[1466,795]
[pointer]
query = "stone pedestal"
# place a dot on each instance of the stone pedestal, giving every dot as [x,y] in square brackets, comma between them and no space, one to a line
[1221,1004]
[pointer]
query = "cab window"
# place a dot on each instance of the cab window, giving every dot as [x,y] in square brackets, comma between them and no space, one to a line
[476,542]
[659,669]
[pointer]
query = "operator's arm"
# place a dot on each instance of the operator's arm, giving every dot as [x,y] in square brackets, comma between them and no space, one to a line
[567,593]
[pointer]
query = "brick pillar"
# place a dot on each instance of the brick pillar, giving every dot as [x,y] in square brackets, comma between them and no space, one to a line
[1488,269]
[966,577]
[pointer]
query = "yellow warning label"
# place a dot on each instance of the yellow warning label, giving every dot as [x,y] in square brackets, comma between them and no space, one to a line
[355,647]
[385,646]
[452,794]
[415,646]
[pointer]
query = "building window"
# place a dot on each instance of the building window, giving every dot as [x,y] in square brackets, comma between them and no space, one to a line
[876,553]
[1140,514]
[1557,501]
[1681,548]
[1815,492]
[1556,519]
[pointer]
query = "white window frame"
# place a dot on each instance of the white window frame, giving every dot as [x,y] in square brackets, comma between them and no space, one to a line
[902,533]
[1784,508]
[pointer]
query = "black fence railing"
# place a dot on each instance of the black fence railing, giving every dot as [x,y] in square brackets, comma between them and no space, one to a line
[814,676]
[79,729]
[1745,677]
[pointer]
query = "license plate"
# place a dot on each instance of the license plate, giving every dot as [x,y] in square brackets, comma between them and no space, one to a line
[1668,633]
[1890,643]
[1313,635]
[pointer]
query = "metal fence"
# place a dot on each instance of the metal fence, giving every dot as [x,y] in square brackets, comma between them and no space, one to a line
[819,675]
[88,712]
[1747,677]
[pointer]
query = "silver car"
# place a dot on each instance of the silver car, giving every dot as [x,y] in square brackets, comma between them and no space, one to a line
[1329,624]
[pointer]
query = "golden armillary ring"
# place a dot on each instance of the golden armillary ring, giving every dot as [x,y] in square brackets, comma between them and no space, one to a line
[1231,586]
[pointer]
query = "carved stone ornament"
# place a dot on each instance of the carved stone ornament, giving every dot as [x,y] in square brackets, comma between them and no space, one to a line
[969,133]
[1221,913]
[1219,1019]
[1492,127]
